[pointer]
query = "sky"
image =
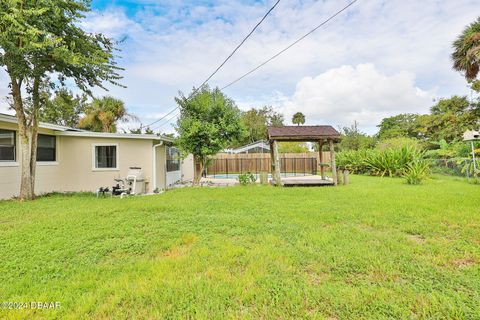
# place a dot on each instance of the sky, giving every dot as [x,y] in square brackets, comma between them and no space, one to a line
[377,59]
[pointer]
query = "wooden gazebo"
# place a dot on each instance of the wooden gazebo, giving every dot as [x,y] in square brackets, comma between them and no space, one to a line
[321,134]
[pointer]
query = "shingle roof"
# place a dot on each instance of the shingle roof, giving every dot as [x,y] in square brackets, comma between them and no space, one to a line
[302,132]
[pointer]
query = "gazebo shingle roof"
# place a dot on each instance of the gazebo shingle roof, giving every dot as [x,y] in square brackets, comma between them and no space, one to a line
[303,133]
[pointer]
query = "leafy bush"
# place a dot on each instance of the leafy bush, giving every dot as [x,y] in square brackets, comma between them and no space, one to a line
[246,178]
[416,171]
[388,162]
[468,166]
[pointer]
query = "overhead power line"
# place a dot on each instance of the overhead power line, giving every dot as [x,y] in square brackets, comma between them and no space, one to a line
[290,45]
[241,43]
[274,56]
[166,122]
[156,121]
[228,58]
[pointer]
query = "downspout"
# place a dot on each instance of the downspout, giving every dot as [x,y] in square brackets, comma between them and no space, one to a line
[155,164]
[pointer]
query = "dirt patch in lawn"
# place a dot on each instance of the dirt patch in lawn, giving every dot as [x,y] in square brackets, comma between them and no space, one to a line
[417,238]
[464,262]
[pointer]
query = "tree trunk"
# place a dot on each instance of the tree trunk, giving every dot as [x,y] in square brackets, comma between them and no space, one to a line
[27,132]
[198,173]
[34,131]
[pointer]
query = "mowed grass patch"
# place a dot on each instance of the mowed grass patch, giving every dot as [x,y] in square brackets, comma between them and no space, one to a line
[377,248]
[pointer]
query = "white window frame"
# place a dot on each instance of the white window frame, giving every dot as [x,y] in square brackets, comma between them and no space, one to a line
[94,164]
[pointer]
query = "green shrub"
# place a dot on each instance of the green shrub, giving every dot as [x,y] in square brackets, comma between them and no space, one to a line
[388,162]
[468,166]
[246,178]
[416,171]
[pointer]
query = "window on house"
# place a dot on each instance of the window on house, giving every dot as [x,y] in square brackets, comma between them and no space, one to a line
[46,148]
[7,145]
[105,157]
[173,159]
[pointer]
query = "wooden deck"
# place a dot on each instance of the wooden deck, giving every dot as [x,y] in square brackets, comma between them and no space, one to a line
[306,181]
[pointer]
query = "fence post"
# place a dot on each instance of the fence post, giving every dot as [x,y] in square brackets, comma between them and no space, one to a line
[226,166]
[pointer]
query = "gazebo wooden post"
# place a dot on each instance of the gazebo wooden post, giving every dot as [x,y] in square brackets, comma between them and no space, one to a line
[272,160]
[278,177]
[320,158]
[332,160]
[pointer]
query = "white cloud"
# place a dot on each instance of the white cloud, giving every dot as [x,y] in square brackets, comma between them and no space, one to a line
[176,44]
[346,94]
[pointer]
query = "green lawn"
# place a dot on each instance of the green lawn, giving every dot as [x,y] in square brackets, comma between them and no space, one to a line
[375,249]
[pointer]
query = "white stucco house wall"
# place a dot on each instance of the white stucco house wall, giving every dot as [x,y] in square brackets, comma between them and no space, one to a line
[73,160]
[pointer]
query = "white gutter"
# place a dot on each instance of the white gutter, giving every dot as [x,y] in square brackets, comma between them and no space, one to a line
[155,164]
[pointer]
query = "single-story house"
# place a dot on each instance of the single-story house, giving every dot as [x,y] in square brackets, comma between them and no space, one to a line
[73,160]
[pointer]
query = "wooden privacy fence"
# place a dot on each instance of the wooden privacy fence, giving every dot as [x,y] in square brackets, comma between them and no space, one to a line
[290,163]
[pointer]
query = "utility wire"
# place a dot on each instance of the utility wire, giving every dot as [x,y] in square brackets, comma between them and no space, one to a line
[167,121]
[156,121]
[289,46]
[241,43]
[225,61]
[281,51]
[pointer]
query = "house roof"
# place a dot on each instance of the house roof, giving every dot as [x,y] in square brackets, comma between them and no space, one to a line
[114,135]
[74,132]
[12,119]
[257,144]
[303,133]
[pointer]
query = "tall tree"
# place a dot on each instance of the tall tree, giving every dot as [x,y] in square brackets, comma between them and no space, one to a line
[103,114]
[256,122]
[401,125]
[298,118]
[466,54]
[209,121]
[354,139]
[39,38]
[451,117]
[64,108]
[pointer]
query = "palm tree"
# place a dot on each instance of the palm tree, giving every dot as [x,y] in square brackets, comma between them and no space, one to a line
[103,114]
[298,118]
[466,55]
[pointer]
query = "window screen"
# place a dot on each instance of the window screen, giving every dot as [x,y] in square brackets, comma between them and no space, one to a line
[46,148]
[105,156]
[7,145]
[173,159]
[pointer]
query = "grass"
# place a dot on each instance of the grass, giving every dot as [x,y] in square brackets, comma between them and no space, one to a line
[375,249]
